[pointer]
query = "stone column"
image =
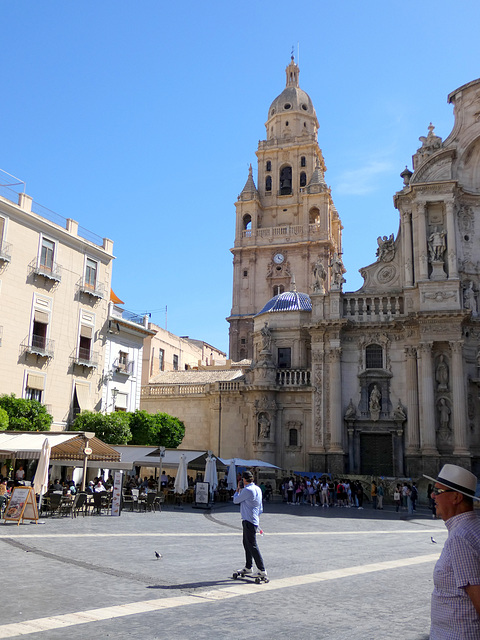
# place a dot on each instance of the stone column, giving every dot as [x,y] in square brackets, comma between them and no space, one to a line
[459,400]
[351,458]
[420,240]
[318,402]
[413,428]
[398,452]
[407,247]
[427,408]
[336,419]
[451,244]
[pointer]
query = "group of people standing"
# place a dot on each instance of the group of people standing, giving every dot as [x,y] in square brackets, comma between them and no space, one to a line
[324,492]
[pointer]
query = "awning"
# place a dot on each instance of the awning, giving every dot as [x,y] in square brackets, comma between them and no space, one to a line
[65,446]
[35,381]
[82,389]
[121,401]
[241,462]
[133,456]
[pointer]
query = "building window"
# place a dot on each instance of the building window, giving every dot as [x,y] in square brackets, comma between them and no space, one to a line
[314,216]
[374,357]
[286,181]
[278,289]
[33,394]
[90,273]
[303,161]
[84,347]
[46,254]
[243,341]
[268,166]
[284,359]
[293,438]
[268,183]
[175,362]
[161,359]
[123,358]
[39,330]
[245,273]
[34,387]
[303,179]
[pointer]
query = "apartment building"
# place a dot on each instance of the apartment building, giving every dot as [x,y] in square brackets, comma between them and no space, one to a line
[54,291]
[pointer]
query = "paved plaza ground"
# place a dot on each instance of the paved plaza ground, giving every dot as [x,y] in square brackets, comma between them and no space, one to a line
[339,574]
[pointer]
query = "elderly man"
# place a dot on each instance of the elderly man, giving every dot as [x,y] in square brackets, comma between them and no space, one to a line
[455,609]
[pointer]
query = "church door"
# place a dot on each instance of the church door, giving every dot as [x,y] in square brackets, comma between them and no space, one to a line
[376,454]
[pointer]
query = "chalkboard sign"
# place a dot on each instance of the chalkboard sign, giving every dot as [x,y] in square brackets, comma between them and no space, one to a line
[202,492]
[22,505]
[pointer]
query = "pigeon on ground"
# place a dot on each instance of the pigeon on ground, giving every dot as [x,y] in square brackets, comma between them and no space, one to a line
[158,555]
[433,540]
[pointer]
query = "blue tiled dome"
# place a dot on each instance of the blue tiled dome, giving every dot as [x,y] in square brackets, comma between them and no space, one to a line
[288,301]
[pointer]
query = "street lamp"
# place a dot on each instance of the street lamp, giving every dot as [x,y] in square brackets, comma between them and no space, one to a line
[114,396]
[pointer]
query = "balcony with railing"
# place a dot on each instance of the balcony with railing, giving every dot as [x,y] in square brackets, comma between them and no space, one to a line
[372,307]
[96,290]
[39,346]
[86,358]
[50,271]
[124,368]
[293,377]
[5,252]
[285,231]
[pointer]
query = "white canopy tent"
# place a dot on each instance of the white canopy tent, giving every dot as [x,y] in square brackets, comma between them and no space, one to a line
[241,462]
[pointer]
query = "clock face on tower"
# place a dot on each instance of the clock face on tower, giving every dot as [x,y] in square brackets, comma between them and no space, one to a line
[278,258]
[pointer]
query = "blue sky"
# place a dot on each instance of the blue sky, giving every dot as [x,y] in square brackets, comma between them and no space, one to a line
[139,119]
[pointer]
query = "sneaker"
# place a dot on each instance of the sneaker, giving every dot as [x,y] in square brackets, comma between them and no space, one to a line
[246,570]
[262,574]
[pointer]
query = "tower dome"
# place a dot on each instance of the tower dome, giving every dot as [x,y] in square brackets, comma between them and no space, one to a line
[288,301]
[292,97]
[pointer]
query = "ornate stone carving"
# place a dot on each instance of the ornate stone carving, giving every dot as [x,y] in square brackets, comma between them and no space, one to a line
[444,431]
[374,403]
[319,275]
[266,338]
[337,271]
[442,374]
[439,296]
[387,274]
[437,245]
[399,413]
[386,248]
[470,298]
[351,412]
[263,422]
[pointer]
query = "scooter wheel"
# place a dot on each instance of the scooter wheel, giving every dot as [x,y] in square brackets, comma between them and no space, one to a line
[235,576]
[257,580]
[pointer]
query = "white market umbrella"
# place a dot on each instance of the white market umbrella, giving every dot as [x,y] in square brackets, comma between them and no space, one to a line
[211,473]
[232,475]
[40,482]
[181,481]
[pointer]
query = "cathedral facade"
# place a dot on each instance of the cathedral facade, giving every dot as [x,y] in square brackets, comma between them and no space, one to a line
[382,381]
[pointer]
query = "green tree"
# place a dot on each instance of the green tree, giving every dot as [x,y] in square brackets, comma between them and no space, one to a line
[156,429]
[25,415]
[3,420]
[112,428]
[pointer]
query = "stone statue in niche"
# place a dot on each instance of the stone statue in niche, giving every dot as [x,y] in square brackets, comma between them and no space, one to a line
[436,245]
[337,271]
[441,374]
[469,301]
[386,248]
[263,426]
[351,412]
[399,413]
[319,275]
[374,404]
[443,414]
[266,337]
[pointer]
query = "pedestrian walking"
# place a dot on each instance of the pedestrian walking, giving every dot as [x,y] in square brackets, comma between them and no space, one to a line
[249,497]
[373,494]
[455,608]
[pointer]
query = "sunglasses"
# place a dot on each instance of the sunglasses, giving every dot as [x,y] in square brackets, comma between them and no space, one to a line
[437,492]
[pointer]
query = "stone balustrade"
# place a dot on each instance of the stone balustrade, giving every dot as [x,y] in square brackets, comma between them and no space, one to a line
[372,307]
[293,377]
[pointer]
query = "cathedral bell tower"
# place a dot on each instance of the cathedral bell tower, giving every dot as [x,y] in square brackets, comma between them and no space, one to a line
[288,225]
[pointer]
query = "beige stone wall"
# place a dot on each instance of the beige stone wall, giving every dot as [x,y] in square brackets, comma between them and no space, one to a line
[26,295]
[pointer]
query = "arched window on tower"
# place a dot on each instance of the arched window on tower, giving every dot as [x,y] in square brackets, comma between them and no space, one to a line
[247,222]
[314,216]
[277,289]
[268,183]
[303,179]
[286,181]
[268,166]
[303,161]
[374,357]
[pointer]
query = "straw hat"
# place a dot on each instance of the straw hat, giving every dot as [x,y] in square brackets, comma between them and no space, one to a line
[457,478]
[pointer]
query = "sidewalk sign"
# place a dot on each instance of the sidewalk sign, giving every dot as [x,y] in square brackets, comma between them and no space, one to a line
[117,493]
[22,505]
[202,490]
